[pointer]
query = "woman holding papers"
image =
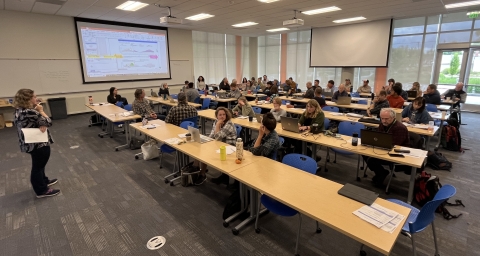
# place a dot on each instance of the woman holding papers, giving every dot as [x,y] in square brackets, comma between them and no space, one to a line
[243,108]
[29,114]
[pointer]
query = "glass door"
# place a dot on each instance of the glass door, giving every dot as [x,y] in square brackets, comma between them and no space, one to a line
[472,81]
[450,68]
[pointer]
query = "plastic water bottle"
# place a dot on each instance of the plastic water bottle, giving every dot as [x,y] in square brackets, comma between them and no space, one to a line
[151,92]
[90,100]
[239,151]
[412,118]
[144,121]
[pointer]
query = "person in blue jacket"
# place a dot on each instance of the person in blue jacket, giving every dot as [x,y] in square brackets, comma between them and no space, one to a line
[416,113]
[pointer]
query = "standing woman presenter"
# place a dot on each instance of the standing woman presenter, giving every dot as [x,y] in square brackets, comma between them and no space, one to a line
[29,114]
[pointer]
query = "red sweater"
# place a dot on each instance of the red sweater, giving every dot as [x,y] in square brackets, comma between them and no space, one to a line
[395,101]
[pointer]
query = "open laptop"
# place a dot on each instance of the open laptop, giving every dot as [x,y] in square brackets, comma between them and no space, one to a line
[327,94]
[259,117]
[377,139]
[170,99]
[412,94]
[196,135]
[344,100]
[222,95]
[289,124]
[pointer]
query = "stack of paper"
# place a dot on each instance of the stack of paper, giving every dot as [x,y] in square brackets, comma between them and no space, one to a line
[380,217]
[173,141]
[337,114]
[242,117]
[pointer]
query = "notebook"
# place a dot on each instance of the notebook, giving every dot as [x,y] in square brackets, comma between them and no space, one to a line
[358,194]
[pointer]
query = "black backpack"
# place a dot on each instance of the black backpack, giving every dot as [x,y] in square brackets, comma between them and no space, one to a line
[451,138]
[426,187]
[438,161]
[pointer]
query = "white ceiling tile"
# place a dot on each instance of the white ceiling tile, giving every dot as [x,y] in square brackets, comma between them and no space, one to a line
[109,3]
[45,8]
[114,14]
[73,9]
[14,5]
[94,12]
[88,2]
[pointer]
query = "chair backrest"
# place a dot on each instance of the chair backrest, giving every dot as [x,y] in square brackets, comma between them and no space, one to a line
[326,123]
[174,96]
[119,104]
[257,110]
[239,129]
[282,140]
[331,109]
[193,120]
[128,107]
[186,124]
[197,100]
[302,162]
[284,102]
[355,94]
[427,213]
[348,128]
[363,102]
[201,92]
[206,103]
[431,108]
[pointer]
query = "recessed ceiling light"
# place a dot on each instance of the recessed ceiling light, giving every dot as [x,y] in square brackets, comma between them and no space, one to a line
[322,10]
[245,24]
[350,19]
[277,29]
[200,16]
[463,4]
[131,6]
[268,1]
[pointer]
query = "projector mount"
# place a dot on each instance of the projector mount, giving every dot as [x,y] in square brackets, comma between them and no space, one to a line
[169,10]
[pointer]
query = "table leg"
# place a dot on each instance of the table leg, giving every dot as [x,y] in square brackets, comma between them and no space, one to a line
[427,146]
[202,122]
[229,105]
[412,185]
[244,206]
[439,134]
[105,131]
[127,136]
[304,147]
[253,211]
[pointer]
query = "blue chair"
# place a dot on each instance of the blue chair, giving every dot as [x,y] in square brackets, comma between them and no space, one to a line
[303,163]
[206,103]
[326,123]
[363,102]
[174,96]
[239,129]
[331,109]
[284,102]
[169,150]
[431,108]
[273,155]
[345,128]
[197,100]
[128,107]
[201,92]
[418,220]
[186,124]
[193,120]
[355,94]
[119,104]
[257,110]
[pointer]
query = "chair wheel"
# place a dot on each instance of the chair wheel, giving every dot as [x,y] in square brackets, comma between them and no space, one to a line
[175,175]
[387,192]
[393,175]
[89,125]
[365,175]
[116,149]
[319,230]
[328,160]
[326,170]
[235,232]
[358,178]
[136,157]
[257,230]
[334,161]
[226,224]
[123,132]
[297,254]
[361,168]
[171,184]
[363,253]
[111,137]
[161,167]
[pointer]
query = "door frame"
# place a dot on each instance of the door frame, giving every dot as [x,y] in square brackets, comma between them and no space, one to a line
[463,70]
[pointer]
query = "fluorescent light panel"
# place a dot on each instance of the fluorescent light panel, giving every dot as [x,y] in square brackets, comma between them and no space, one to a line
[268,1]
[462,4]
[245,24]
[350,19]
[131,6]
[322,10]
[200,16]
[277,29]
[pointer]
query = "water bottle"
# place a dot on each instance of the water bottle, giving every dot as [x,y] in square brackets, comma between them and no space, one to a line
[151,92]
[223,153]
[239,152]
[90,100]
[412,118]
[144,121]
[354,139]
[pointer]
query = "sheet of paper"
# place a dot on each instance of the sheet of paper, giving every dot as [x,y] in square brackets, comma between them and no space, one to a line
[230,150]
[129,113]
[149,126]
[415,152]
[393,224]
[182,135]
[337,114]
[376,214]
[173,141]
[34,135]
[242,117]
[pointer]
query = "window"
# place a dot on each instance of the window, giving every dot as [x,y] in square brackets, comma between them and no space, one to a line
[298,58]
[269,56]
[408,26]
[360,74]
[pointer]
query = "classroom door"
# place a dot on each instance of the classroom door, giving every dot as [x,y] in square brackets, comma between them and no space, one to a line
[450,68]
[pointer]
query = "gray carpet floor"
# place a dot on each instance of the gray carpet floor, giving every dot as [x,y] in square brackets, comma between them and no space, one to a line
[112,204]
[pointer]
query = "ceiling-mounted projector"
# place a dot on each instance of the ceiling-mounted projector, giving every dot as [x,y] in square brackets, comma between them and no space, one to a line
[293,22]
[170,20]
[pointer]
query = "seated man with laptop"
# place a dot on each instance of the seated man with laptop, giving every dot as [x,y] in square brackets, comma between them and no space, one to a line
[380,102]
[340,93]
[400,137]
[181,112]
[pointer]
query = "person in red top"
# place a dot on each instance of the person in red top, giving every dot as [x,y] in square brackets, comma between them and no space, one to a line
[400,138]
[394,99]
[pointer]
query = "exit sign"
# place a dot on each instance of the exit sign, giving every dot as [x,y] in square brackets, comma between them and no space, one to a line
[473,15]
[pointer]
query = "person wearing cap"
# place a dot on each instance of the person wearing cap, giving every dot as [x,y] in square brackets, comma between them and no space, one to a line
[191,93]
[348,85]
[365,88]
[181,112]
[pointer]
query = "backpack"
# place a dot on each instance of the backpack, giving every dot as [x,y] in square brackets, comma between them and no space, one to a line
[451,139]
[233,206]
[426,187]
[438,161]
[136,142]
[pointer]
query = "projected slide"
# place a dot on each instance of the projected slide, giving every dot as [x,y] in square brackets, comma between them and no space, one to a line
[116,53]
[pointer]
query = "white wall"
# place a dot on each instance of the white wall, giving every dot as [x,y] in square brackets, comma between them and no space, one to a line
[45,37]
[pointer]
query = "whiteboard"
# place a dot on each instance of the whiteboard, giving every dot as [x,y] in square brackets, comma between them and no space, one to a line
[65,76]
